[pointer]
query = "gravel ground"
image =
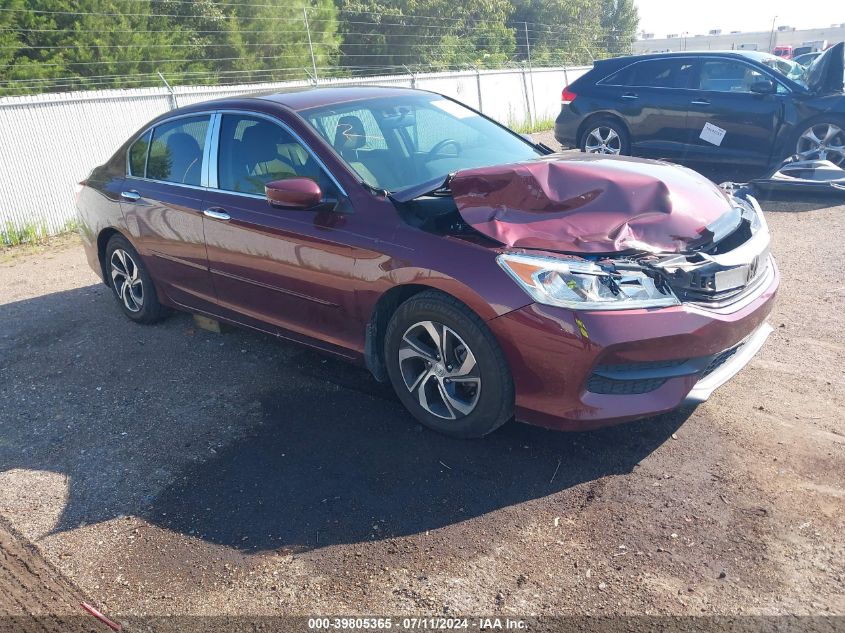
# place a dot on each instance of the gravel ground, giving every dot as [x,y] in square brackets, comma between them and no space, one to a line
[169,470]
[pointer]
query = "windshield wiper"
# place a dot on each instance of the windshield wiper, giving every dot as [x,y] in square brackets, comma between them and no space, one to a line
[435,187]
[376,190]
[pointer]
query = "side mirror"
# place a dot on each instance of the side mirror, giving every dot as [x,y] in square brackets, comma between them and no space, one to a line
[763,87]
[293,193]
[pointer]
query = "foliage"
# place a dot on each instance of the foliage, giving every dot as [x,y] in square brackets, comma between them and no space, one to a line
[415,33]
[71,44]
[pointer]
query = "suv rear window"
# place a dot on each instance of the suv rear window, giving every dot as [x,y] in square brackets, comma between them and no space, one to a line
[654,73]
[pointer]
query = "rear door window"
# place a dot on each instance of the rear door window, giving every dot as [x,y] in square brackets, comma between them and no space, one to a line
[654,73]
[177,149]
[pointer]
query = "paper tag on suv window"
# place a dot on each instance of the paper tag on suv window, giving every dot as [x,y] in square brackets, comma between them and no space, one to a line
[712,134]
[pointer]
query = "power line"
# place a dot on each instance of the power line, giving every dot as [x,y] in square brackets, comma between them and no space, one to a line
[265,18]
[219,45]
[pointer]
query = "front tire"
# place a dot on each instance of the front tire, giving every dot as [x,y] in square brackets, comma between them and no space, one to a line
[605,135]
[823,139]
[132,285]
[447,368]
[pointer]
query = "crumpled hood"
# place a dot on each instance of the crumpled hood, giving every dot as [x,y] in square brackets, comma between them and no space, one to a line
[590,204]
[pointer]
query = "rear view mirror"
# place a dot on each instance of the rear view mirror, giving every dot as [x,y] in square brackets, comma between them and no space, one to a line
[763,87]
[293,193]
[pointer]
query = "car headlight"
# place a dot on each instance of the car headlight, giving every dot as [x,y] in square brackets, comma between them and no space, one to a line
[582,285]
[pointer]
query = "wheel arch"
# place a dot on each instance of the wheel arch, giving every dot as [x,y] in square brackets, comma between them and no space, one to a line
[103,238]
[582,128]
[384,309]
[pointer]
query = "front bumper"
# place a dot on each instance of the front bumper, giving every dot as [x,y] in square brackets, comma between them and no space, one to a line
[739,358]
[665,357]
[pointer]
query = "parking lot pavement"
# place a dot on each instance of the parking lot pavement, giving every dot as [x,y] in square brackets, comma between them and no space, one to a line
[166,469]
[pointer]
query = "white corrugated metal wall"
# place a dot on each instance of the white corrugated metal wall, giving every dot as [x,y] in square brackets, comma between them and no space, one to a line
[50,142]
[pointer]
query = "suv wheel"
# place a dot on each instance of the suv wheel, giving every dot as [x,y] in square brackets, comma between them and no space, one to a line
[605,136]
[823,140]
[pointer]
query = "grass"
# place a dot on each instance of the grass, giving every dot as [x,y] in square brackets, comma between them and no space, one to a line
[31,233]
[33,239]
[526,128]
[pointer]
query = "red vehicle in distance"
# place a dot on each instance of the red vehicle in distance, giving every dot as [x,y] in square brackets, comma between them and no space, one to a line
[484,276]
[783,51]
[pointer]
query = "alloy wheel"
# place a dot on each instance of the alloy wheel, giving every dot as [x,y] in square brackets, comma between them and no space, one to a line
[439,370]
[126,280]
[824,141]
[603,140]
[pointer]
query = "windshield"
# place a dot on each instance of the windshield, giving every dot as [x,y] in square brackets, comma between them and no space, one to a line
[396,143]
[786,67]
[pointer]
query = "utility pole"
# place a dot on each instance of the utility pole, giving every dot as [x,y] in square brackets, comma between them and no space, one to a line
[531,73]
[772,35]
[170,90]
[310,45]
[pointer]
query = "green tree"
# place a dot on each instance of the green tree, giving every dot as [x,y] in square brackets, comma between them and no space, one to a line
[619,21]
[125,43]
[393,34]
[276,40]
[574,31]
[559,31]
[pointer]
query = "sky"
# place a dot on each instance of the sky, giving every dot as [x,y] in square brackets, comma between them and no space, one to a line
[694,16]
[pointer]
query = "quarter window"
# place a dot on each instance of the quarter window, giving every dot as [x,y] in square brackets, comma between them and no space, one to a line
[254,151]
[138,155]
[177,149]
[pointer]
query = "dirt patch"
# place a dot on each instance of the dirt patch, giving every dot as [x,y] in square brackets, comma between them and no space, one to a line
[34,595]
[168,470]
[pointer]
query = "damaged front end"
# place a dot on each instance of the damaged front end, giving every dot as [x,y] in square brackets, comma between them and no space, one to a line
[613,233]
[732,266]
[650,282]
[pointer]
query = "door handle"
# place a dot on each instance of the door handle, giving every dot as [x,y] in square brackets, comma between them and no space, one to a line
[630,95]
[131,196]
[216,213]
[701,102]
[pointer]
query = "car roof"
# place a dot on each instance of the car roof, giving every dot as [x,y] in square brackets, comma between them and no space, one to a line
[754,55]
[313,97]
[612,64]
[306,97]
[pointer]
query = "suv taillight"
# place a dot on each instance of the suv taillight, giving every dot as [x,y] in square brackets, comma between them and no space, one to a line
[567,96]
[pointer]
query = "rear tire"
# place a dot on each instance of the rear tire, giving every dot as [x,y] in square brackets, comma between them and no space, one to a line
[605,135]
[447,368]
[132,285]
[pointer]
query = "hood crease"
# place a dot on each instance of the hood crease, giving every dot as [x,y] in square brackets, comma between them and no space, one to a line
[589,204]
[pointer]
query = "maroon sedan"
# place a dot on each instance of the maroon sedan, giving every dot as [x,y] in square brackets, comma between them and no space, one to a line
[484,276]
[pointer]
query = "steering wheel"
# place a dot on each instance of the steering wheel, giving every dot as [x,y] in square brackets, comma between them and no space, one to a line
[438,147]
